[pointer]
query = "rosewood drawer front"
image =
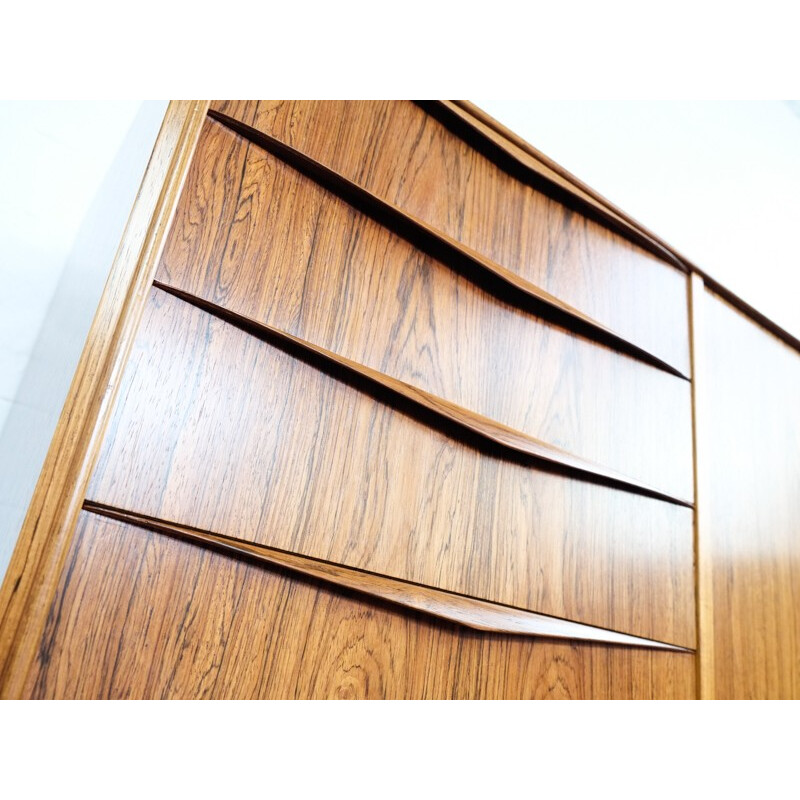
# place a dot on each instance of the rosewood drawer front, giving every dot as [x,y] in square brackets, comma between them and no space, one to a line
[413,159]
[146,615]
[396,417]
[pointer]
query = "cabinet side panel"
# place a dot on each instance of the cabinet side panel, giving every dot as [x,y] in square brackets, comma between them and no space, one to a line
[751,509]
[44,539]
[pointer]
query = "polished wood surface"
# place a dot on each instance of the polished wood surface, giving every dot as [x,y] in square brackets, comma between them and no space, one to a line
[138,614]
[504,283]
[45,537]
[275,247]
[218,430]
[411,160]
[748,310]
[750,524]
[460,609]
[508,442]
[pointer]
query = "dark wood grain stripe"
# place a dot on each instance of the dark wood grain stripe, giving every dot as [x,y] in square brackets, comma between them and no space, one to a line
[511,442]
[492,277]
[470,612]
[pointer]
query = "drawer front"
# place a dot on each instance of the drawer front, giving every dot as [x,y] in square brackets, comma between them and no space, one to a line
[405,156]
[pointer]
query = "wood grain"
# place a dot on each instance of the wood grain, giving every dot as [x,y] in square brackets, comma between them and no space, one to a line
[477,123]
[46,534]
[218,430]
[503,283]
[508,442]
[258,238]
[750,524]
[140,615]
[459,609]
[222,431]
[400,153]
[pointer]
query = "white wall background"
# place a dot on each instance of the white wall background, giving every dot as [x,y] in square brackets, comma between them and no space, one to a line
[69,173]
[719,181]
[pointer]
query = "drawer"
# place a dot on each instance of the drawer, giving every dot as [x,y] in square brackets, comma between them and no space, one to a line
[220,430]
[408,158]
[142,615]
[254,236]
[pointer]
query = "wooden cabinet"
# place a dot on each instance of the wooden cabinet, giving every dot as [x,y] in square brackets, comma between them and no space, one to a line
[378,403]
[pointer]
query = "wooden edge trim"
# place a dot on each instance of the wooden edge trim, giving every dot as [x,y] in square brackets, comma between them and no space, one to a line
[490,276]
[515,156]
[49,525]
[704,587]
[511,442]
[471,612]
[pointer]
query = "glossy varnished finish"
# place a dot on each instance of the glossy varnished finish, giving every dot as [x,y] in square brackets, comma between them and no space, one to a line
[255,236]
[219,430]
[45,537]
[407,157]
[468,612]
[507,442]
[504,283]
[139,614]
[750,520]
